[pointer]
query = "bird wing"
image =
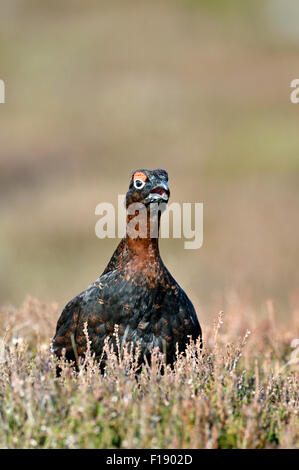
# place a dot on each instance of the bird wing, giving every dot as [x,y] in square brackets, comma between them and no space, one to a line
[66,328]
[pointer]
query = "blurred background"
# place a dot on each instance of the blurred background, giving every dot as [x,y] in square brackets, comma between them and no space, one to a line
[96,89]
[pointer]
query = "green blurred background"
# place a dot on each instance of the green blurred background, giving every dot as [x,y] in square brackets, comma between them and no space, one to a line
[96,89]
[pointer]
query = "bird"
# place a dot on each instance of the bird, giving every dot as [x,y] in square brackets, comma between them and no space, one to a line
[135,293]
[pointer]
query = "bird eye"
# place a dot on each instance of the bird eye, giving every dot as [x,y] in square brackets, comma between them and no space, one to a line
[139,184]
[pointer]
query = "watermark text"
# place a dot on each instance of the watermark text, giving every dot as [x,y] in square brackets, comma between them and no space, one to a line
[294,96]
[2,92]
[182,220]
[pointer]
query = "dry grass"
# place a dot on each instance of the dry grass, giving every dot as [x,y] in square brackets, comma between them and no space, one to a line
[239,393]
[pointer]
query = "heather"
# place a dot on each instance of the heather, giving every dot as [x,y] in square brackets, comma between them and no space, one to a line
[240,391]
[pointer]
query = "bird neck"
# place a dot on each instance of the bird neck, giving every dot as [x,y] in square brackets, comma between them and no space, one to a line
[142,233]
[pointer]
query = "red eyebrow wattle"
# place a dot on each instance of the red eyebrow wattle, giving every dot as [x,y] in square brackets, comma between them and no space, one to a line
[139,176]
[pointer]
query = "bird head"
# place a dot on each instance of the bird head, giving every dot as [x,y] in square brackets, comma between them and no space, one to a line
[148,186]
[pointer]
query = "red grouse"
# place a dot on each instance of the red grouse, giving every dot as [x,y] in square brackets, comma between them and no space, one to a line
[136,291]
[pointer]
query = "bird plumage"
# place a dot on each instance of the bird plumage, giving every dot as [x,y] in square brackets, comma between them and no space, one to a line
[135,292]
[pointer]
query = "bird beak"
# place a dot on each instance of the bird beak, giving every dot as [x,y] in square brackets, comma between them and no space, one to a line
[159,192]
